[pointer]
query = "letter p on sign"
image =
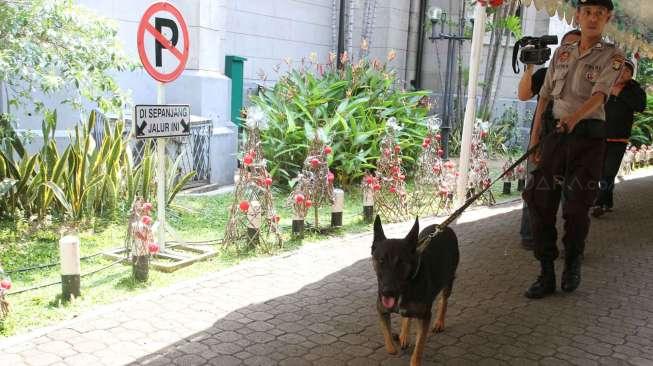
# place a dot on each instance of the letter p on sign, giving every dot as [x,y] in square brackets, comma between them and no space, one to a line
[161,49]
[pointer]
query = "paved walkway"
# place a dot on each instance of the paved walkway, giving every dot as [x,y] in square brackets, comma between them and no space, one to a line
[316,306]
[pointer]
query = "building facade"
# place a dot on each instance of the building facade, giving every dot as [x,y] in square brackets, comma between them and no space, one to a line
[273,35]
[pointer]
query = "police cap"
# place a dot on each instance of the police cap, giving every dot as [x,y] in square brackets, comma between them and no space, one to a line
[607,3]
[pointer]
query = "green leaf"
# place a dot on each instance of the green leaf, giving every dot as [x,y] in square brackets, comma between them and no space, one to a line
[61,196]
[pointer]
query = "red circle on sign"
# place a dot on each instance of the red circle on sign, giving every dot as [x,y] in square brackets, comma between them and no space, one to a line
[145,25]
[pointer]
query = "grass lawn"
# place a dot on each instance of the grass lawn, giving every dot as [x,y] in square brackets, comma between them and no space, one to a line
[203,218]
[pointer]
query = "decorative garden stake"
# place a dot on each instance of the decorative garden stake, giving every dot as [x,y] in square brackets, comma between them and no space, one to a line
[5,286]
[479,173]
[337,207]
[429,179]
[252,218]
[509,177]
[253,223]
[140,239]
[522,174]
[70,267]
[640,156]
[390,201]
[314,186]
[368,185]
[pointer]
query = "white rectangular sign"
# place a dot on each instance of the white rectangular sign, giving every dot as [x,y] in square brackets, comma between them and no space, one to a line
[167,120]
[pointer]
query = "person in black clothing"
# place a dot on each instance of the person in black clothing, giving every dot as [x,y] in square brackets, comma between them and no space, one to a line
[529,86]
[626,98]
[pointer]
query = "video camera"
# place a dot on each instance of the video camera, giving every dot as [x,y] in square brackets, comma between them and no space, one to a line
[534,51]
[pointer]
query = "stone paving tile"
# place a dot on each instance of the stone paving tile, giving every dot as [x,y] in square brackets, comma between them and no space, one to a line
[315,306]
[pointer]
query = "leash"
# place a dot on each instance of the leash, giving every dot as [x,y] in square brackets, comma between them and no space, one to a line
[440,227]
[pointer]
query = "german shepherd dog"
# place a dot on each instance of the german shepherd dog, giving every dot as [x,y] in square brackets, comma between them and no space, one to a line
[410,277]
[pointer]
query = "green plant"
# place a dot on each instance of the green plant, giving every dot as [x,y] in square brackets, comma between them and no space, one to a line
[83,181]
[349,105]
[53,45]
[642,132]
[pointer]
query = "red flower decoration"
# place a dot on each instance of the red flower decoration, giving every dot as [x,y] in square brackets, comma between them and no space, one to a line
[268,181]
[244,206]
[147,207]
[440,152]
[369,180]
[5,284]
[376,187]
[146,220]
[308,203]
[438,137]
[327,150]
[315,162]
[276,219]
[153,248]
[393,189]
[299,198]
[330,177]
[386,152]
[397,148]
[247,159]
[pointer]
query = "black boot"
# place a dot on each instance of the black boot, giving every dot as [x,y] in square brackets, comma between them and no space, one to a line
[545,284]
[571,274]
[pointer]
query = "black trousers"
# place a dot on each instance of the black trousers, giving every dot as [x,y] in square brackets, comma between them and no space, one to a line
[614,152]
[570,165]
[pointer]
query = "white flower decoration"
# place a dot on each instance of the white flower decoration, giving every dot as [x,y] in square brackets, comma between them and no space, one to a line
[393,124]
[433,122]
[256,118]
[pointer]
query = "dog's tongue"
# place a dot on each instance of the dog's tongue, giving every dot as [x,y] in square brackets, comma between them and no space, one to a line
[388,302]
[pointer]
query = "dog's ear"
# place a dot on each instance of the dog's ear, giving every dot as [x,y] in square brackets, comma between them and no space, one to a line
[413,233]
[378,232]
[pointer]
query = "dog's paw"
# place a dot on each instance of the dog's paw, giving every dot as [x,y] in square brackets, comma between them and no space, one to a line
[391,349]
[404,341]
[438,326]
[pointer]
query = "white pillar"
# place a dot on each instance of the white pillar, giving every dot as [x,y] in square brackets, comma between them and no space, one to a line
[470,111]
[337,207]
[70,267]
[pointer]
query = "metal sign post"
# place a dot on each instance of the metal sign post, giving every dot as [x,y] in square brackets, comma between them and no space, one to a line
[163,47]
[161,175]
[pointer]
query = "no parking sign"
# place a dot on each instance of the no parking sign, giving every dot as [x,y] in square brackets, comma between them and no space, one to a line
[162,40]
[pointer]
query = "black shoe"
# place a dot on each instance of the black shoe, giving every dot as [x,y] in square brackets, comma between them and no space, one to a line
[571,275]
[598,211]
[528,244]
[545,284]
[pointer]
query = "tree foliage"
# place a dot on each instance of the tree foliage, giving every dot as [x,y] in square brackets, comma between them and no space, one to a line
[56,45]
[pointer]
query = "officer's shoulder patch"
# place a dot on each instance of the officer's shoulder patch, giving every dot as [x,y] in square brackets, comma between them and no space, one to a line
[564,56]
[617,62]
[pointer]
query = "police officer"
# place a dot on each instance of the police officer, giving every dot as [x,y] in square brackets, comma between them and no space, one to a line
[578,80]
[626,98]
[529,86]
